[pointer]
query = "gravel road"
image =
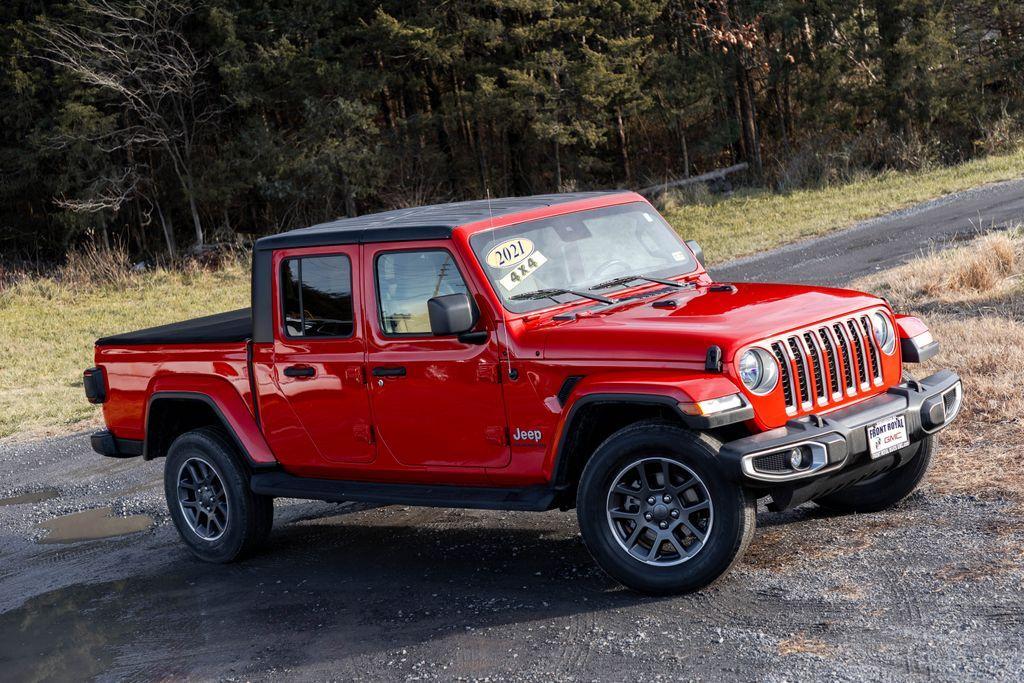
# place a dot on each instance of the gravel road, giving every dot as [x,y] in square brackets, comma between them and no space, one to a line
[929,590]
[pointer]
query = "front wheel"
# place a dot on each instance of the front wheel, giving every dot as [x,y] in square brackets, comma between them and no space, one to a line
[207,488]
[656,512]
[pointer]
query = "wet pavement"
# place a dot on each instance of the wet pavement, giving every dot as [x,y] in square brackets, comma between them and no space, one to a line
[930,590]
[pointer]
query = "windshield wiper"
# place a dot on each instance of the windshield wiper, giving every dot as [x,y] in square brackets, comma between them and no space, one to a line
[552,293]
[630,278]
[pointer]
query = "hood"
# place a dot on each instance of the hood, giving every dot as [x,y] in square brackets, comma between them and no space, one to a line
[746,313]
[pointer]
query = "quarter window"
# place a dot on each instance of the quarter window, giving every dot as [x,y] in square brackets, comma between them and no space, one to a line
[406,280]
[316,292]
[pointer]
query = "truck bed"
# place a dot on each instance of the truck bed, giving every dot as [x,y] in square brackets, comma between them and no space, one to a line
[220,328]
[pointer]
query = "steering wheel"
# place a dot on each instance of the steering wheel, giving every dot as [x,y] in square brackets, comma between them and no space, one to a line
[623,267]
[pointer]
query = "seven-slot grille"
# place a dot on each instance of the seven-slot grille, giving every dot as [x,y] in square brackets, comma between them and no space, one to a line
[821,364]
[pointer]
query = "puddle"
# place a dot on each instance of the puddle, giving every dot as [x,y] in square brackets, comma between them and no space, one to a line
[30,497]
[91,525]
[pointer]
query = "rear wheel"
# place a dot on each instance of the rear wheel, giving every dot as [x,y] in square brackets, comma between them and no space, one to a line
[207,488]
[656,512]
[884,490]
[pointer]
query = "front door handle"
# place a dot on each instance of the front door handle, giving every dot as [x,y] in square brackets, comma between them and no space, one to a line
[396,371]
[299,371]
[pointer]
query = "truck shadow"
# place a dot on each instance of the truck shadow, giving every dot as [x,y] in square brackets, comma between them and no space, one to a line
[342,587]
[363,586]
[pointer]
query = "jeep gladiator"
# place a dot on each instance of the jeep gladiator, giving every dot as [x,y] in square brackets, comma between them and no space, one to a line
[532,353]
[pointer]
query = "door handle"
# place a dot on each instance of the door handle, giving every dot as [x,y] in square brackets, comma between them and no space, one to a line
[396,371]
[299,371]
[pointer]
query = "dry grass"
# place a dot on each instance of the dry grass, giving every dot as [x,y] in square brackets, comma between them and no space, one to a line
[48,325]
[973,300]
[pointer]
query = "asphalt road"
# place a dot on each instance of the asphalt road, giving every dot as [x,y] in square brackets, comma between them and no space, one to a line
[931,590]
[885,242]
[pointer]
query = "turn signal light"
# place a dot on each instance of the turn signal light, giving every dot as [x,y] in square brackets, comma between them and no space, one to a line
[712,406]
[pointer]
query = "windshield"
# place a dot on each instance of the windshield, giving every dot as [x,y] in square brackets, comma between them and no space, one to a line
[578,251]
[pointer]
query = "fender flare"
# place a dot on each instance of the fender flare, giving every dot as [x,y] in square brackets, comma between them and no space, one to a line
[664,393]
[236,420]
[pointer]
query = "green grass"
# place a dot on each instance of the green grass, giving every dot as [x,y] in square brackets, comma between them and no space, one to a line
[47,326]
[47,330]
[751,221]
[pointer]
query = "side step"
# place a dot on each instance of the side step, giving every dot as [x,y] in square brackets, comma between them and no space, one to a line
[284,485]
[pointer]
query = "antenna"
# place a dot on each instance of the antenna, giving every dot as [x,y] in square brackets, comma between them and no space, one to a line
[501,309]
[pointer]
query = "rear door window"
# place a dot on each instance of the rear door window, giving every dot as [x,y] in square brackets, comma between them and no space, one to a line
[316,294]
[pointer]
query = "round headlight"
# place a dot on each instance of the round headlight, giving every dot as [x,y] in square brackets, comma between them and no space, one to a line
[758,371]
[885,335]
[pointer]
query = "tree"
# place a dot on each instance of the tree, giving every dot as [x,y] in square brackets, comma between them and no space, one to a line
[138,56]
[252,116]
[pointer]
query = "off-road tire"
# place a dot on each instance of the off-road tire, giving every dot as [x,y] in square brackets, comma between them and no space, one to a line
[884,490]
[732,525]
[250,516]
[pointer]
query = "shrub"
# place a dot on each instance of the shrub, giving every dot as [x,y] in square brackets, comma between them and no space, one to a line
[91,266]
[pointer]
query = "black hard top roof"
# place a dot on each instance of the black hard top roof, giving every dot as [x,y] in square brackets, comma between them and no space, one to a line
[419,223]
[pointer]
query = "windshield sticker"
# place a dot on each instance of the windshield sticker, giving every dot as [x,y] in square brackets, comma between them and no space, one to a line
[679,255]
[648,217]
[509,252]
[523,271]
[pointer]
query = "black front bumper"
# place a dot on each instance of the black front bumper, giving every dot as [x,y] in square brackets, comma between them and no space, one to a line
[837,443]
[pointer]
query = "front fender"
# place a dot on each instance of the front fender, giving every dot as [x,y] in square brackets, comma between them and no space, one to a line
[667,389]
[682,386]
[916,342]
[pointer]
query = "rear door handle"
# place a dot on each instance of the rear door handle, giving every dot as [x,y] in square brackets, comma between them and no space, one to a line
[397,371]
[299,371]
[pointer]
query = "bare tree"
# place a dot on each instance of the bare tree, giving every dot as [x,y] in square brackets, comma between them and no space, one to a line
[105,193]
[136,53]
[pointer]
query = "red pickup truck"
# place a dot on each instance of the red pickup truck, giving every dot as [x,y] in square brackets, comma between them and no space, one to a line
[557,351]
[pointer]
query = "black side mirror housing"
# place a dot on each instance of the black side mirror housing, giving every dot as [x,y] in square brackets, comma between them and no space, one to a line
[452,314]
[697,251]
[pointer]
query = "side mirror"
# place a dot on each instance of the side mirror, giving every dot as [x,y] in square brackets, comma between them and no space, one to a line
[451,314]
[697,251]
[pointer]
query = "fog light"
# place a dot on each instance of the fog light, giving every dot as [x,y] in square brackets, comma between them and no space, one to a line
[800,458]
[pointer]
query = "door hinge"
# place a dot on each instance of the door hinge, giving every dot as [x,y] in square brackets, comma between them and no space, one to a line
[488,373]
[496,435]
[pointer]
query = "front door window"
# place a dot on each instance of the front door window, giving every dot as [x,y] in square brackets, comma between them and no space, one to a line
[406,280]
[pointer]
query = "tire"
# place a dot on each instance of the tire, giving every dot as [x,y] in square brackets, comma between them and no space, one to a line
[241,521]
[647,561]
[884,490]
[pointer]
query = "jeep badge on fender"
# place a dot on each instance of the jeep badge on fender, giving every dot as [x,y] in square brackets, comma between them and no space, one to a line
[533,353]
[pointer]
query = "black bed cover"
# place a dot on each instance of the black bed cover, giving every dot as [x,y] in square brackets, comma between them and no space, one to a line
[220,328]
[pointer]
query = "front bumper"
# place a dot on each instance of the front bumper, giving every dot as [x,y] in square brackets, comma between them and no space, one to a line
[837,443]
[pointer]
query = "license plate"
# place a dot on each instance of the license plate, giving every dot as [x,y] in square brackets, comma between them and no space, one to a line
[888,435]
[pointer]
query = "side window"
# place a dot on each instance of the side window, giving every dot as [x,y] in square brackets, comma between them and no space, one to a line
[316,292]
[406,280]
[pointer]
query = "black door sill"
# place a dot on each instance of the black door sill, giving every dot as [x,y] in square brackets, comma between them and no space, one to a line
[284,485]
